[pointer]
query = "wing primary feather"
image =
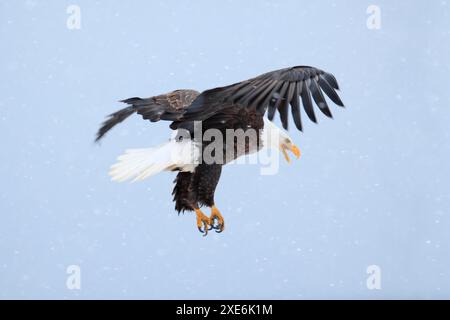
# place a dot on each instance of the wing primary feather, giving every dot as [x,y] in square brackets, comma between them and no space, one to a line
[243,91]
[319,98]
[295,103]
[281,94]
[271,112]
[326,87]
[307,102]
[266,101]
[252,94]
[331,80]
[284,106]
[290,92]
[231,90]
[284,115]
[255,103]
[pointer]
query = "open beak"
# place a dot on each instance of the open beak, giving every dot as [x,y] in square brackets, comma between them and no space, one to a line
[294,149]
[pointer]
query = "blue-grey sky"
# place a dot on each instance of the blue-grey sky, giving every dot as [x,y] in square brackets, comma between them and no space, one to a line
[371,187]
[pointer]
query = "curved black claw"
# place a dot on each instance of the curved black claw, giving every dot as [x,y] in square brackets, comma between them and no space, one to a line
[219,227]
[213,223]
[205,229]
[216,220]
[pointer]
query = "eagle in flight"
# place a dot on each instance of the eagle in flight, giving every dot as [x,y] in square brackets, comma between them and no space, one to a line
[240,106]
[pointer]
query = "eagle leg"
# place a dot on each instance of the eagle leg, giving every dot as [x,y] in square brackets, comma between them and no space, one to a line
[203,222]
[216,216]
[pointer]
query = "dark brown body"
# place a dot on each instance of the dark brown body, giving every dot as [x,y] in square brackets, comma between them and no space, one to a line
[197,188]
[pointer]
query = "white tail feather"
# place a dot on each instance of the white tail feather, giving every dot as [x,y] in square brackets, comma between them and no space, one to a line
[139,164]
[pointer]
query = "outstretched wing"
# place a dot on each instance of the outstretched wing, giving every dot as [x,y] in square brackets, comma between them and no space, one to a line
[272,91]
[168,106]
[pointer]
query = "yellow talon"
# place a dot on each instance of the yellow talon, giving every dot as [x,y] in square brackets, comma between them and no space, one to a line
[215,215]
[203,221]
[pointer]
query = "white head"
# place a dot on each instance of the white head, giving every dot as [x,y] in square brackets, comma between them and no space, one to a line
[276,138]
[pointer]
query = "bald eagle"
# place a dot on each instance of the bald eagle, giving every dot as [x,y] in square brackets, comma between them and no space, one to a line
[240,106]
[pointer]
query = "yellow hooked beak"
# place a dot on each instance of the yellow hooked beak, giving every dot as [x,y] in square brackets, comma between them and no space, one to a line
[293,149]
